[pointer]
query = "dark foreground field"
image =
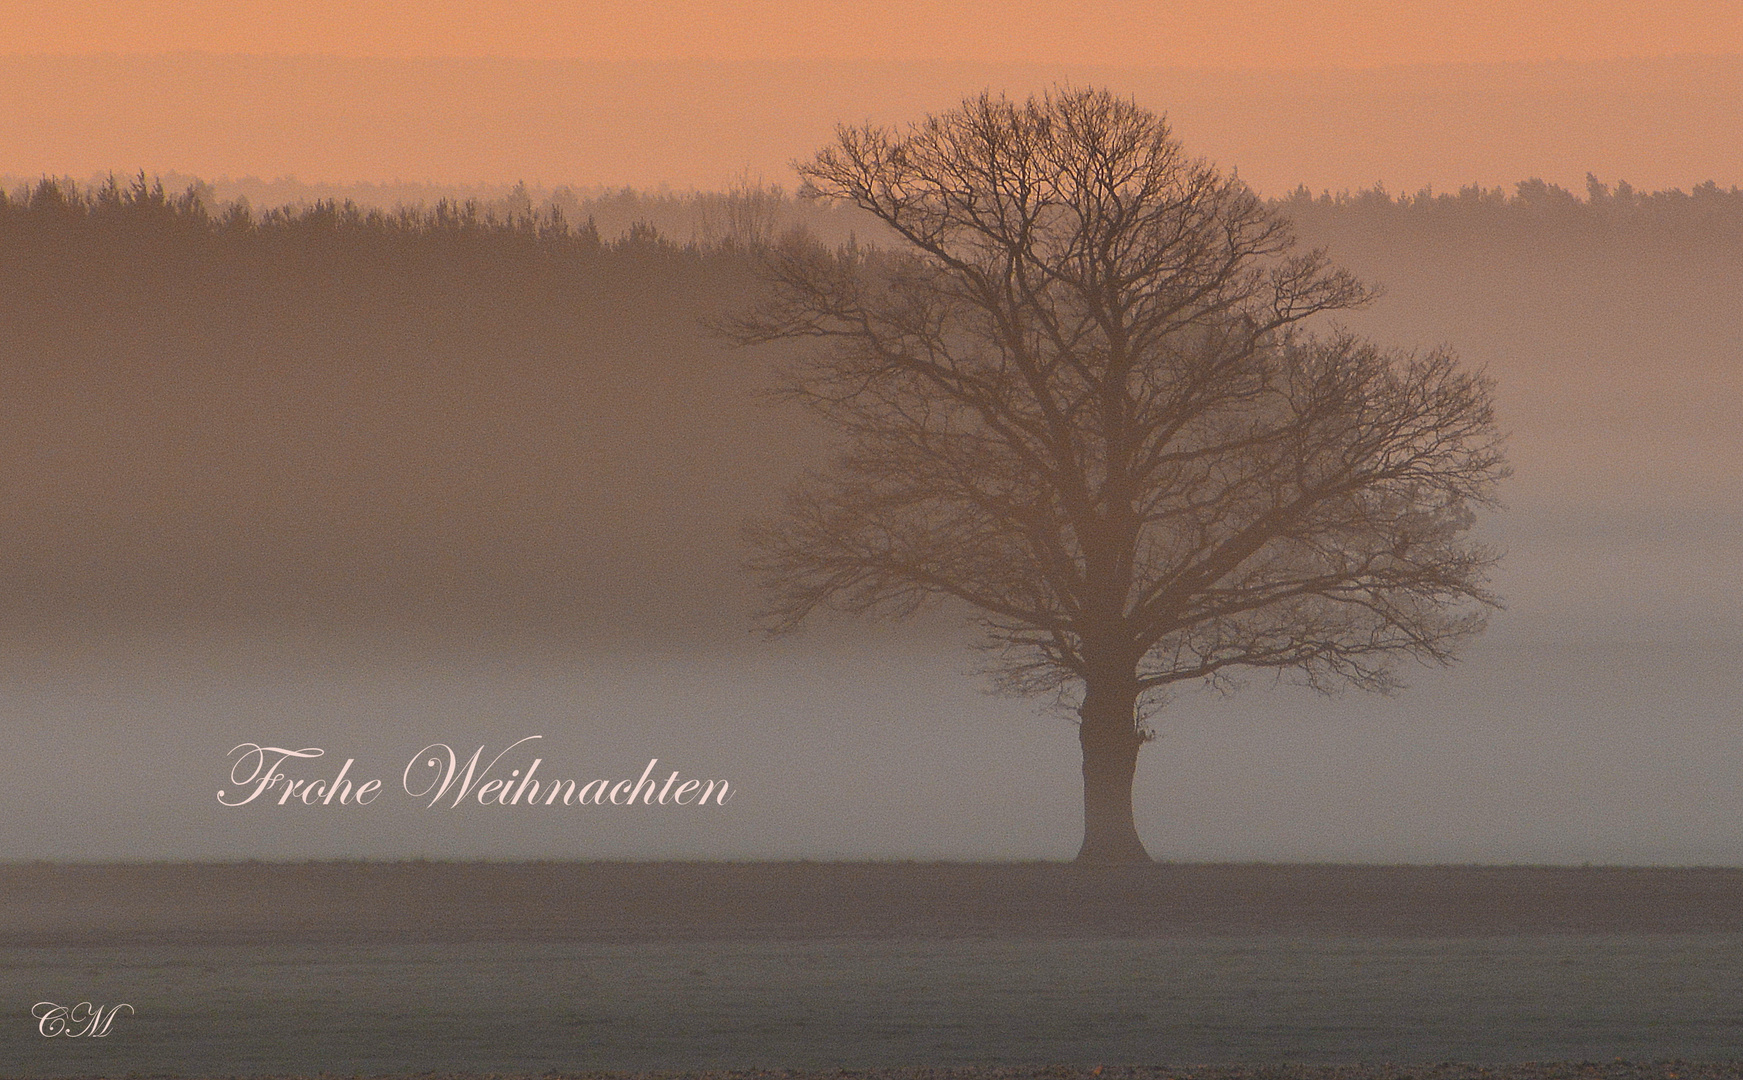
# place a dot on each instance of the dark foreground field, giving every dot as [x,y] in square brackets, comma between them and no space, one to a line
[411,902]
[1586,1070]
[643,971]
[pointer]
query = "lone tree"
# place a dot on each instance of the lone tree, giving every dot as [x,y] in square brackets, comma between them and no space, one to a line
[1077,397]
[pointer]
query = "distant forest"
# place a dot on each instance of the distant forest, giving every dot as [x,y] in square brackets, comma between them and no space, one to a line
[563,219]
[507,413]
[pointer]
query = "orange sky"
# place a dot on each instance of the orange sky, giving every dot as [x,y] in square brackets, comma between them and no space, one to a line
[1227,34]
[1332,93]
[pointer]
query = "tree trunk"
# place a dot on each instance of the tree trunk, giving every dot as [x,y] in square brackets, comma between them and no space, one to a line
[1110,739]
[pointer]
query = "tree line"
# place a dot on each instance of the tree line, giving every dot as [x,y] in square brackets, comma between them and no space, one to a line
[143,209]
[750,215]
[1618,215]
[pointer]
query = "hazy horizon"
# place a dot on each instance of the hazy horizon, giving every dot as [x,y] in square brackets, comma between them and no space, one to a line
[1657,122]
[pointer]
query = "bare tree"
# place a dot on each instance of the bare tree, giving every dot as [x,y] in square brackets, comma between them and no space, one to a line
[1076,397]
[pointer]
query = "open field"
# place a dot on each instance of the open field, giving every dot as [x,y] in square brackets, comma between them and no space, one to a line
[414,902]
[1552,1070]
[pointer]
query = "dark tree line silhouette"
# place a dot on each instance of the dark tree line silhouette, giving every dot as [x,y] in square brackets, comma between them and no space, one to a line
[1616,213]
[331,413]
[1616,216]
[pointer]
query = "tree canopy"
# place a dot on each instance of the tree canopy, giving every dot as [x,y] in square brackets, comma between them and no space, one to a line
[1081,396]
